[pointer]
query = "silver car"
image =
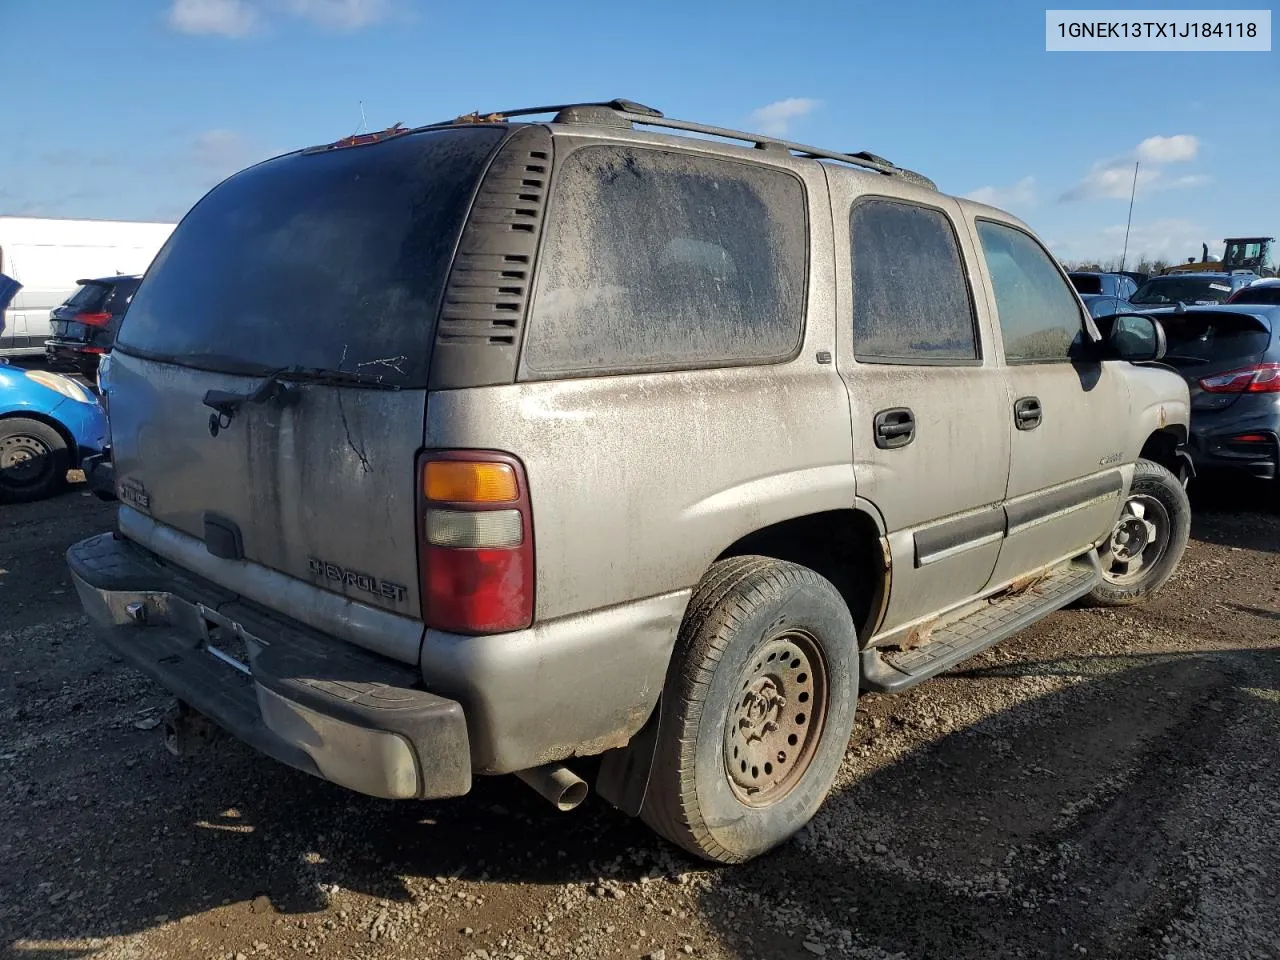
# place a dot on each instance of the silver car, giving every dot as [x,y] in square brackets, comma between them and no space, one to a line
[573,432]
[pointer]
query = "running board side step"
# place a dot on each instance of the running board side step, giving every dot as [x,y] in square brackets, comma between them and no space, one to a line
[998,618]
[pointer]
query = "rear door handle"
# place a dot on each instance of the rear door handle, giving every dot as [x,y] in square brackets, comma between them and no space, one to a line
[894,428]
[1027,413]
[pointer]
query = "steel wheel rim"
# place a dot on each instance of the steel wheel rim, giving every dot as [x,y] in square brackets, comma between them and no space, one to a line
[776,719]
[1138,541]
[24,460]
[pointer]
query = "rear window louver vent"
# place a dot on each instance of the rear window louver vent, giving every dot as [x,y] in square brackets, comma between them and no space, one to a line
[487,297]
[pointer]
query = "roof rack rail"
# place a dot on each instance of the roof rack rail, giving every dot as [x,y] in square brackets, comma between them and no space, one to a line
[638,113]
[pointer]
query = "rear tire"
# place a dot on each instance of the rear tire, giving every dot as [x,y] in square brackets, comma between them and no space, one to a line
[756,712]
[33,460]
[1148,540]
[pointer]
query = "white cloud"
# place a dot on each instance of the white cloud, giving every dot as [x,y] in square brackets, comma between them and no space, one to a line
[239,18]
[1018,195]
[1109,180]
[776,118]
[1173,149]
[219,150]
[339,14]
[1113,179]
[1170,238]
[224,18]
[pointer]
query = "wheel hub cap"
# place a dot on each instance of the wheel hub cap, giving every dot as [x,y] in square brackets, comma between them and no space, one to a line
[761,708]
[1138,540]
[774,726]
[1130,538]
[22,459]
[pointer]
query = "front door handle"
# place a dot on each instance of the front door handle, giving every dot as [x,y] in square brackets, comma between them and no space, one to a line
[894,428]
[1027,413]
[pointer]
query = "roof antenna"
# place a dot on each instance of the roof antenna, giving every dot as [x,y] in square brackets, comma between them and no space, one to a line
[1132,193]
[363,123]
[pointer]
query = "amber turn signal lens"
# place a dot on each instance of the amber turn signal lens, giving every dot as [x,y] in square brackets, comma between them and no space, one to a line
[460,481]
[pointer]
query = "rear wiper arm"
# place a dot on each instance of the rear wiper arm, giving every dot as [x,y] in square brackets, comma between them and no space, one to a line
[225,404]
[276,387]
[333,378]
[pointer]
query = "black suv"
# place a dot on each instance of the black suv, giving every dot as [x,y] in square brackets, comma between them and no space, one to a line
[84,326]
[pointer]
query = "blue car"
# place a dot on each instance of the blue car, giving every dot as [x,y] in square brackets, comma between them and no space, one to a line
[48,425]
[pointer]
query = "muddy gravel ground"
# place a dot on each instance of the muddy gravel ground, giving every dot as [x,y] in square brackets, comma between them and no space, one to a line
[1104,785]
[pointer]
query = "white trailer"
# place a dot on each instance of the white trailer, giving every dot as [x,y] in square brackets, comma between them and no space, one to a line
[47,256]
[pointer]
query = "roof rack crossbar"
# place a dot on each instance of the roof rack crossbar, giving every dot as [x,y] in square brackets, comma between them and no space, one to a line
[647,116]
[727,133]
[866,160]
[622,106]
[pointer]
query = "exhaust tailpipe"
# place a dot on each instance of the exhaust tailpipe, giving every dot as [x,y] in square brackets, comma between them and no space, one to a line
[564,788]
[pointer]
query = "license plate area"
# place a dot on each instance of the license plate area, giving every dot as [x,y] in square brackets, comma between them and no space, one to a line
[69,330]
[228,641]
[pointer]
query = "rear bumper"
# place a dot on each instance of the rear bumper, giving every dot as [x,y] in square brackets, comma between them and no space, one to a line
[100,474]
[71,351]
[317,704]
[1215,451]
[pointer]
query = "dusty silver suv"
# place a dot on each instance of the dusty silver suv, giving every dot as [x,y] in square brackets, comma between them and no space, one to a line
[609,435]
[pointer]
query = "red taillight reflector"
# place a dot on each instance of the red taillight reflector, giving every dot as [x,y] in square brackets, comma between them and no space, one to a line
[1251,438]
[93,319]
[1262,378]
[477,591]
[475,537]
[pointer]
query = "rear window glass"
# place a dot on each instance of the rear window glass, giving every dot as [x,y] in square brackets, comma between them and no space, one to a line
[88,298]
[1183,290]
[1269,293]
[120,295]
[1086,282]
[1197,338]
[332,260]
[910,296]
[666,260]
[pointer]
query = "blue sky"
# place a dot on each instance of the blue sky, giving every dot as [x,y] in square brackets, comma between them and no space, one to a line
[132,108]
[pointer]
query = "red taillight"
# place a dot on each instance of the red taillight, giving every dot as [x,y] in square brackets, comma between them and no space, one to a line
[476,551]
[93,319]
[1262,378]
[1251,438]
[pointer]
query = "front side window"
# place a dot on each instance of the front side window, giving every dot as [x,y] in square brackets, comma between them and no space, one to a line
[660,260]
[1038,310]
[911,300]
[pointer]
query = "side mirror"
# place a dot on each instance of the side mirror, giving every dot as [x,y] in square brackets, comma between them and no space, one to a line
[1136,337]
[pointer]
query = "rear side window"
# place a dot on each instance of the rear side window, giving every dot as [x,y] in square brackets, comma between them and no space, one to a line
[334,260]
[910,297]
[1039,312]
[661,260]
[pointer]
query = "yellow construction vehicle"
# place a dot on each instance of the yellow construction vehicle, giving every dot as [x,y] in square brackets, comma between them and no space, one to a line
[1240,253]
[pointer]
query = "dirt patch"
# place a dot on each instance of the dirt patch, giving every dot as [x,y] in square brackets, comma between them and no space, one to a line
[1105,784]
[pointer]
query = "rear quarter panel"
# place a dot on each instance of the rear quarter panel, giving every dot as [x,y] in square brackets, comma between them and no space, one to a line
[639,481]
